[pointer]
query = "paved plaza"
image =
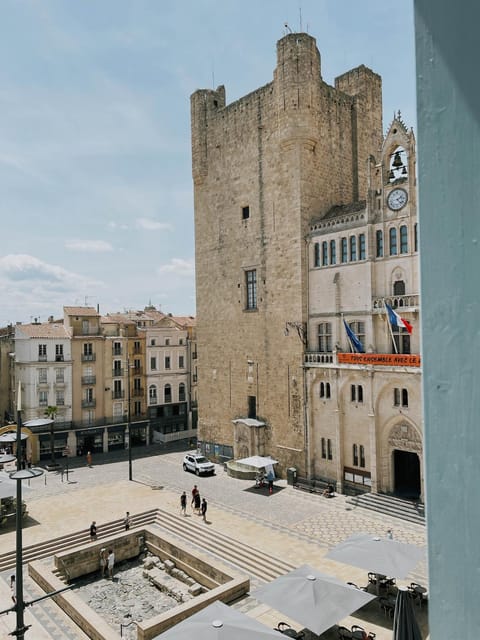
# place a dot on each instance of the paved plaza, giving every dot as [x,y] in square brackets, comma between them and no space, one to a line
[292,525]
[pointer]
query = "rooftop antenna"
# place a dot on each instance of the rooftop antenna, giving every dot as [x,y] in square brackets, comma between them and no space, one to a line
[300,14]
[287,28]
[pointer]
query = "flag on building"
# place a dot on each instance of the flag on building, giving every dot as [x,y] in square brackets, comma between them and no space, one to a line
[396,320]
[353,339]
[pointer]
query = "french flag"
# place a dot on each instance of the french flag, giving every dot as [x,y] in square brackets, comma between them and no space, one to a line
[396,320]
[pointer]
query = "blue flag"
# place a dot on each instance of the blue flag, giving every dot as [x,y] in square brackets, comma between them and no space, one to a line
[354,341]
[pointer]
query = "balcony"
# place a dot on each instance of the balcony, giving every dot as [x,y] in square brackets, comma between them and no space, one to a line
[59,358]
[137,371]
[406,302]
[88,357]
[118,394]
[117,351]
[43,384]
[89,379]
[138,393]
[89,404]
[118,372]
[42,357]
[362,359]
[137,350]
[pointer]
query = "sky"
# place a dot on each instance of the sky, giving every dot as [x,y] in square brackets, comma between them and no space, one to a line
[96,194]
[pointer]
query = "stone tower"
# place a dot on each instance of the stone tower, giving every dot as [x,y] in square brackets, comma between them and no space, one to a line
[263,168]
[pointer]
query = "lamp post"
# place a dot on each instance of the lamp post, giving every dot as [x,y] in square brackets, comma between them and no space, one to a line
[128,432]
[19,475]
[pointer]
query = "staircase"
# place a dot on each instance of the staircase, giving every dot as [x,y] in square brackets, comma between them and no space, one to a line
[189,529]
[396,507]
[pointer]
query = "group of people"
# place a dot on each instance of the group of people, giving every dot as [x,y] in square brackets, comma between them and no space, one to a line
[199,505]
[107,562]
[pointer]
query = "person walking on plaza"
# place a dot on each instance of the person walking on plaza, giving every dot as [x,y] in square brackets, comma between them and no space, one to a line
[89,459]
[110,563]
[93,531]
[389,534]
[196,502]
[195,491]
[183,503]
[126,521]
[103,561]
[204,509]
[13,588]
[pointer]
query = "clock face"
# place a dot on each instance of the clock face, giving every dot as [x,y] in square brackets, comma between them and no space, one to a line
[397,198]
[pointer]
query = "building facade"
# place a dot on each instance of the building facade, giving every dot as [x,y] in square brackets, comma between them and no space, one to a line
[283,177]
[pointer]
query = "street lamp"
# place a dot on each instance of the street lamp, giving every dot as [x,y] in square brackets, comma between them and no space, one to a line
[19,475]
[128,433]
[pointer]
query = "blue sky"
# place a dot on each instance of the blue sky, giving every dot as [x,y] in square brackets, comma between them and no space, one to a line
[96,192]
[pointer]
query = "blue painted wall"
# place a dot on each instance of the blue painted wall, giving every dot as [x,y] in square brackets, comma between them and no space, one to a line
[448,94]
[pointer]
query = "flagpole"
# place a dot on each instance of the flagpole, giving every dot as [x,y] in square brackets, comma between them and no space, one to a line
[352,350]
[390,327]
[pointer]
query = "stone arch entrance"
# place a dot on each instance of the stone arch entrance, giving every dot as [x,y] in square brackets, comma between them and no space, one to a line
[405,449]
[406,474]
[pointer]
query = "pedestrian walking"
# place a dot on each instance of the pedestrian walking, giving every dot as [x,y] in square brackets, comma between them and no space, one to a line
[110,563]
[126,521]
[389,534]
[103,561]
[183,503]
[204,509]
[13,588]
[89,459]
[196,503]
[93,531]
[195,491]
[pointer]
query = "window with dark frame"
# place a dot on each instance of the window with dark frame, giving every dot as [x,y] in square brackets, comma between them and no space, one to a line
[333,252]
[329,449]
[379,237]
[251,283]
[399,288]
[353,248]
[316,254]
[362,250]
[245,213]
[324,449]
[324,254]
[167,362]
[353,393]
[344,254]
[252,407]
[401,339]
[404,397]
[393,241]
[360,393]
[403,239]
[355,455]
[396,397]
[327,390]
[415,237]
[167,393]
[362,455]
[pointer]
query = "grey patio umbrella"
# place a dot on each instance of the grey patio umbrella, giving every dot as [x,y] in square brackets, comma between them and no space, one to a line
[379,555]
[314,599]
[218,622]
[405,625]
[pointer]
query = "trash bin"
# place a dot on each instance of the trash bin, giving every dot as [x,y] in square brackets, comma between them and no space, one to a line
[291,475]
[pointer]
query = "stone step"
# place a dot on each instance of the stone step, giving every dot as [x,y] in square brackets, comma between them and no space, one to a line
[245,557]
[52,546]
[391,506]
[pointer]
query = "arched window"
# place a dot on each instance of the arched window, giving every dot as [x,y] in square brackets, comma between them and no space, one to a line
[152,394]
[379,244]
[404,397]
[353,248]
[327,390]
[181,392]
[399,288]
[316,255]
[355,455]
[393,241]
[360,393]
[333,252]
[167,393]
[324,254]
[322,390]
[403,239]
[361,247]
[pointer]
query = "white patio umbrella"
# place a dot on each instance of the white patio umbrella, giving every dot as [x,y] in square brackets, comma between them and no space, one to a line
[379,555]
[315,600]
[259,462]
[218,622]
[11,436]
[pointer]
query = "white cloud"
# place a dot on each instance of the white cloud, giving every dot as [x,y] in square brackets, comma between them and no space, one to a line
[95,246]
[115,225]
[30,285]
[153,225]
[179,267]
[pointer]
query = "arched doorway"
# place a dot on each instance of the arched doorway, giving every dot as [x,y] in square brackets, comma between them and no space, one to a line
[406,470]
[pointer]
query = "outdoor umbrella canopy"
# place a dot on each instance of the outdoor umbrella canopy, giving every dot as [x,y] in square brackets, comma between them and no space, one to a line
[314,599]
[379,555]
[218,622]
[11,436]
[405,625]
[257,461]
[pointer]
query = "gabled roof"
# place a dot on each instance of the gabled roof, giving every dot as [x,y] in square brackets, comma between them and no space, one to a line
[42,330]
[80,311]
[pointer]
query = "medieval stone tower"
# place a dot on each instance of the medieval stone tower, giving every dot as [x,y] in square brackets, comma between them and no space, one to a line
[263,168]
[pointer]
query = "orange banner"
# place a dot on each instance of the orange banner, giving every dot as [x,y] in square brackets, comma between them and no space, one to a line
[385,359]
